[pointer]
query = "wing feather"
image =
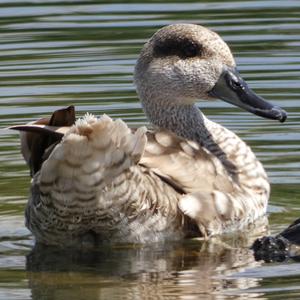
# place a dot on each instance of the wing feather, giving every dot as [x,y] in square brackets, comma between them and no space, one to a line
[185,163]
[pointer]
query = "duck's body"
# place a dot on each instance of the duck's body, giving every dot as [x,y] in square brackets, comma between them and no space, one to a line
[158,190]
[189,176]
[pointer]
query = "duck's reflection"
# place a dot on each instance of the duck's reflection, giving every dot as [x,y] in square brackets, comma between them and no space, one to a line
[188,269]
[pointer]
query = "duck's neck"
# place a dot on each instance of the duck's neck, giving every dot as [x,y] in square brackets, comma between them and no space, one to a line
[186,121]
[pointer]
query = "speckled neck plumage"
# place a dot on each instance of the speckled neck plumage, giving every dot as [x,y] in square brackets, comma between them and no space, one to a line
[186,121]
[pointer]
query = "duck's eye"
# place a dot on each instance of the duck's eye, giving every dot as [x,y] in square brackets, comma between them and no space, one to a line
[191,50]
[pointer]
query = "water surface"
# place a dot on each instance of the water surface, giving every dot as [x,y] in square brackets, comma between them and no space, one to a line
[57,53]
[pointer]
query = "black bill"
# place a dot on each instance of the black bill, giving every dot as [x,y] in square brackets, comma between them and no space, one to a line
[233,89]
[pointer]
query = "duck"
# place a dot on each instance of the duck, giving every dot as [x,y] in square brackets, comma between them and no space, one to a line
[97,181]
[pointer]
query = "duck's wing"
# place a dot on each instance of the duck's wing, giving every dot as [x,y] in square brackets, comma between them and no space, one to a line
[209,191]
[185,164]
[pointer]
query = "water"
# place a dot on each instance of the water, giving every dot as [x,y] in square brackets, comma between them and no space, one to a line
[56,53]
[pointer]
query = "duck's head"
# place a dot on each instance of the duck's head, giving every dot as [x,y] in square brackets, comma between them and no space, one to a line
[183,63]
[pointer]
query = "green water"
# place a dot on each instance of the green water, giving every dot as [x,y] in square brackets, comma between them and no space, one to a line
[56,53]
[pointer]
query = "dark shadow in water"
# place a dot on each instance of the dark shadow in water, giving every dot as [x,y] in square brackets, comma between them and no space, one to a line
[283,246]
[146,272]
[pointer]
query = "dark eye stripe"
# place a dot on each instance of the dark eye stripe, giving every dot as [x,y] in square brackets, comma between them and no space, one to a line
[184,48]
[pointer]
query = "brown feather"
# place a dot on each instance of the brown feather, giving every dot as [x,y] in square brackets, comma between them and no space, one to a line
[37,137]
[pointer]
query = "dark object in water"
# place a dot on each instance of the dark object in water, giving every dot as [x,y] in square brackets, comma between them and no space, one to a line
[281,247]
